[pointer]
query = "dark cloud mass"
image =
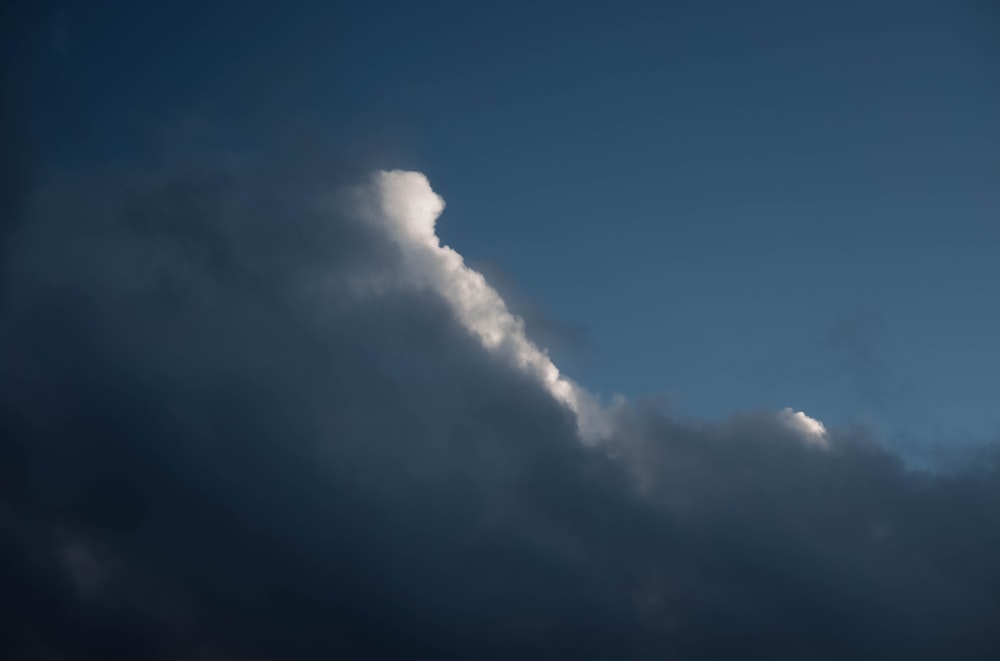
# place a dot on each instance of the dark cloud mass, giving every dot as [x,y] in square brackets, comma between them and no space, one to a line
[214,447]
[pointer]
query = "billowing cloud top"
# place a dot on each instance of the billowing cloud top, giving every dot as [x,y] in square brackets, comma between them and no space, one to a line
[405,204]
[236,424]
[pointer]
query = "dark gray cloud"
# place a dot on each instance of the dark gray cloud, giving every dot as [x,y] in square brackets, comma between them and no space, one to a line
[213,448]
[14,167]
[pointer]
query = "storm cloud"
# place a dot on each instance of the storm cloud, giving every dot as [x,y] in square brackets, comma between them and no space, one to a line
[242,423]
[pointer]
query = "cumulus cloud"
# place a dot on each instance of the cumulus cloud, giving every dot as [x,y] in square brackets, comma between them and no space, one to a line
[405,204]
[812,430]
[238,423]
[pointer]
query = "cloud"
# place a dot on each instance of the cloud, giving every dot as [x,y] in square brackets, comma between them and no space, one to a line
[405,204]
[569,340]
[13,169]
[241,423]
[812,430]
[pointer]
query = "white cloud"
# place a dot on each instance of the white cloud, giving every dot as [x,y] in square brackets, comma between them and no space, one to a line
[407,208]
[404,204]
[812,430]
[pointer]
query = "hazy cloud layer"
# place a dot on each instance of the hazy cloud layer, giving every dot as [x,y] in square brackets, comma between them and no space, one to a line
[237,423]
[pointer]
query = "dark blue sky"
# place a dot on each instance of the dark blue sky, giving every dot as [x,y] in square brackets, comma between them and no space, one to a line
[742,205]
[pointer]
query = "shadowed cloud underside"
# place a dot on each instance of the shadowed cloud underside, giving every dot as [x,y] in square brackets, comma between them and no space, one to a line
[240,422]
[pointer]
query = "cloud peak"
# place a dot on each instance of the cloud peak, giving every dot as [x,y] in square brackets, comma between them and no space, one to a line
[404,204]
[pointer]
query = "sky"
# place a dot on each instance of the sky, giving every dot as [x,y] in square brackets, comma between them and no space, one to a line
[471,330]
[751,205]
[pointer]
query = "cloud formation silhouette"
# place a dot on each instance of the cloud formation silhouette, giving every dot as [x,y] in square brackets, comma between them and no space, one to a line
[241,424]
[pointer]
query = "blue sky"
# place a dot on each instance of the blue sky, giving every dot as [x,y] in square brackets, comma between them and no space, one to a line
[738,206]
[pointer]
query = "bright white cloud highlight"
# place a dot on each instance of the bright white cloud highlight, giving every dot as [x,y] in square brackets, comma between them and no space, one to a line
[812,430]
[407,208]
[404,204]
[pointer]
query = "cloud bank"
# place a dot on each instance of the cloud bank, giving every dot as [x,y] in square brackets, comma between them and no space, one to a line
[238,422]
